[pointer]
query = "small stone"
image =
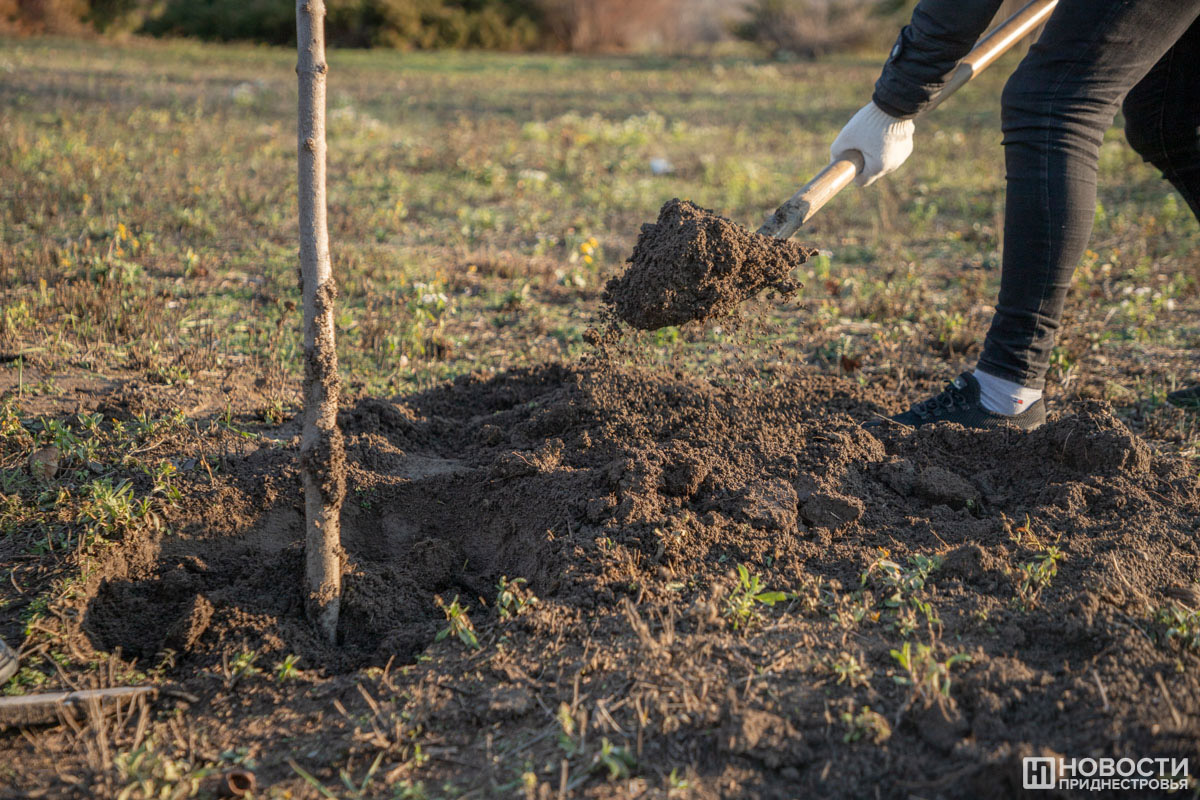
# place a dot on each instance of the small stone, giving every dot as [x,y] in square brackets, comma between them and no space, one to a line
[43,463]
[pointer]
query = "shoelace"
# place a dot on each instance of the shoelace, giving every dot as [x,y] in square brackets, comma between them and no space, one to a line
[945,401]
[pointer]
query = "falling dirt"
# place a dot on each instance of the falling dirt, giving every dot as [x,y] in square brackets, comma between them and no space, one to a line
[695,265]
[625,498]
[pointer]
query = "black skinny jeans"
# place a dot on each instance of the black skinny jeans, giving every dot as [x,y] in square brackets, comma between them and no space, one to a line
[1056,109]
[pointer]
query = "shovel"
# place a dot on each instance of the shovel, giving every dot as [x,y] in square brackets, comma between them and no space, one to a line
[693,265]
[841,173]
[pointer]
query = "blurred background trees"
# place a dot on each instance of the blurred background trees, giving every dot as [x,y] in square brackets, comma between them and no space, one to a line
[785,28]
[813,28]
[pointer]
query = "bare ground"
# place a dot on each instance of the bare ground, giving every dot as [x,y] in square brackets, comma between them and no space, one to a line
[1024,571]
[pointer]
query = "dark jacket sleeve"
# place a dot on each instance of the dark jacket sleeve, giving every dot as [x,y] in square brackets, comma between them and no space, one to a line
[940,34]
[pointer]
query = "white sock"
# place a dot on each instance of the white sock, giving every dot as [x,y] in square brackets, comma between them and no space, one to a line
[1005,397]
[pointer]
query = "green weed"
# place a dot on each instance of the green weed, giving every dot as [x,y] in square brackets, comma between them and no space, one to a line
[849,670]
[287,669]
[1036,575]
[147,772]
[512,598]
[458,623]
[865,725]
[742,605]
[243,665]
[928,677]
[615,760]
[676,784]
[902,590]
[1179,625]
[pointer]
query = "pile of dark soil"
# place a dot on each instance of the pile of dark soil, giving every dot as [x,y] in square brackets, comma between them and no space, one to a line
[695,265]
[626,499]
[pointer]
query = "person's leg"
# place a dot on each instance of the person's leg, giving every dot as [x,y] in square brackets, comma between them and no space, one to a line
[1162,123]
[1056,108]
[1162,116]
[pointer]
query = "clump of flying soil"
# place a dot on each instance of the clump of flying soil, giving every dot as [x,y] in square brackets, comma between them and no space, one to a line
[694,265]
[625,497]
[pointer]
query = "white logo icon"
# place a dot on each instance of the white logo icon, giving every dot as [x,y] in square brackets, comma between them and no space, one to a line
[1038,772]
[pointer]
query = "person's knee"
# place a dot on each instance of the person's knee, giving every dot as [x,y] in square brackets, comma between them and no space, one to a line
[1041,104]
[1024,103]
[1143,129]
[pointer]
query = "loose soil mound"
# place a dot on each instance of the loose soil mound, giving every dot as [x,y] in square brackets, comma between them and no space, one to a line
[695,265]
[626,498]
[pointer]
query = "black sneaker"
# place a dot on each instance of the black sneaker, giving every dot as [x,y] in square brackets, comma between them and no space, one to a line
[8,662]
[959,402]
[1188,398]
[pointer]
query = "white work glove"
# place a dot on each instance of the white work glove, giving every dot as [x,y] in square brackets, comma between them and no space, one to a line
[884,141]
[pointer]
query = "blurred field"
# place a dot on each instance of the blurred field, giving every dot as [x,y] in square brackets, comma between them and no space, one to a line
[478,204]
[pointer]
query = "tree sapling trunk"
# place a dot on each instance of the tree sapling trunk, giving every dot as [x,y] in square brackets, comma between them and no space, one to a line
[322,453]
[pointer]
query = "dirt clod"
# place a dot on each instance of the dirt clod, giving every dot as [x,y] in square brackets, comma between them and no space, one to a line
[43,463]
[771,506]
[968,563]
[693,264]
[831,510]
[191,625]
[938,485]
[941,726]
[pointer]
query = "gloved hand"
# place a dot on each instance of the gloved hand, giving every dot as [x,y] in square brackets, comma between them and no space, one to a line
[884,141]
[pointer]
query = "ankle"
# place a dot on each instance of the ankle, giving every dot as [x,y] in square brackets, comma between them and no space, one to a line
[1006,397]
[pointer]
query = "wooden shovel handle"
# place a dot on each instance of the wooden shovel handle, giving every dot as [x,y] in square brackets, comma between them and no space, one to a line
[788,218]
